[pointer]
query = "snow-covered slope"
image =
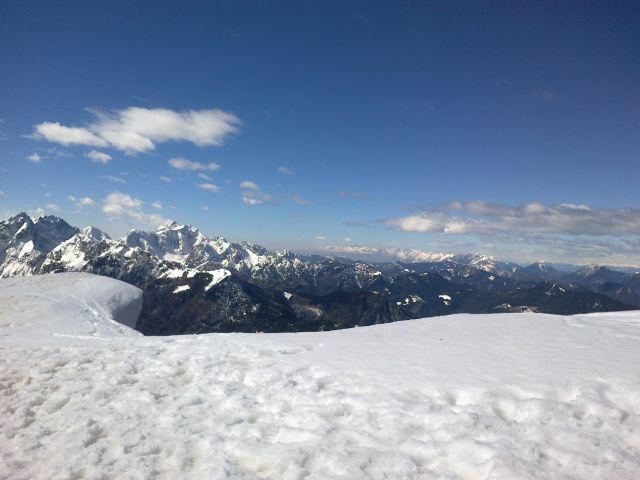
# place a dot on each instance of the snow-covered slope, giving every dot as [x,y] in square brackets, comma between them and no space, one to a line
[504,396]
[67,304]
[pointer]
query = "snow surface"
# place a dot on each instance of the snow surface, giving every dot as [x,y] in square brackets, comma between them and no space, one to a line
[216,277]
[181,288]
[446,299]
[504,396]
[67,304]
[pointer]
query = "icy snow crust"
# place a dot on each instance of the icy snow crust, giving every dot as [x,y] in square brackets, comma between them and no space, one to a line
[505,396]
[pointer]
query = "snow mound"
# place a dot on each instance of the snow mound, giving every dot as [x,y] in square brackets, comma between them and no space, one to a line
[68,304]
[502,396]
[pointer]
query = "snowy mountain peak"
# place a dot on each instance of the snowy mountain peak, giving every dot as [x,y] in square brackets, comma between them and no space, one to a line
[95,233]
[19,218]
[541,267]
[170,225]
[591,270]
[482,262]
[414,255]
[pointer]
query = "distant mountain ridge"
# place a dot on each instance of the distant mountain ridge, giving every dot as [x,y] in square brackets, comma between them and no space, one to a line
[194,283]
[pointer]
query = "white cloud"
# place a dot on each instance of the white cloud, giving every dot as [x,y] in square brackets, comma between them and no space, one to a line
[430,222]
[57,153]
[205,208]
[37,212]
[165,179]
[565,232]
[56,133]
[98,157]
[249,185]
[211,187]
[184,164]
[35,158]
[112,178]
[347,239]
[299,200]
[82,202]
[157,205]
[477,217]
[320,237]
[122,205]
[52,207]
[200,127]
[252,198]
[252,195]
[138,129]
[1,193]
[204,176]
[284,171]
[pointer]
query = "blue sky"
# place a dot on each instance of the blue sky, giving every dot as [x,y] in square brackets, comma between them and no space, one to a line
[365,128]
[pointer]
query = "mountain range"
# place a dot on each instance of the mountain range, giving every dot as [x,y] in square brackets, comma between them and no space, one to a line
[195,283]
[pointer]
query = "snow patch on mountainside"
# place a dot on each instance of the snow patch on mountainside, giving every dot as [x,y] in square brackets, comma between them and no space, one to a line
[216,277]
[526,396]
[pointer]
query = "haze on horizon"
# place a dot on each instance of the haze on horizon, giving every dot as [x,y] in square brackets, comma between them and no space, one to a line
[350,128]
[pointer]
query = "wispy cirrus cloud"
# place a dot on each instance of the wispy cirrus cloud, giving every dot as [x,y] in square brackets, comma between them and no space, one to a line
[112,178]
[210,187]
[136,130]
[180,163]
[249,185]
[252,194]
[284,171]
[299,200]
[356,196]
[53,207]
[251,198]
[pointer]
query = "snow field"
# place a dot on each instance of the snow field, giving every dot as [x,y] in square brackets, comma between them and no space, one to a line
[508,396]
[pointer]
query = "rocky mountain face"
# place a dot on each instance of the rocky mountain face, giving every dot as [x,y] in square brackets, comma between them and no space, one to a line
[194,283]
